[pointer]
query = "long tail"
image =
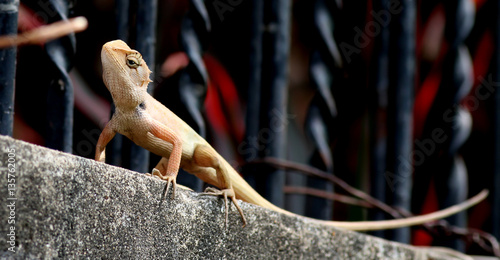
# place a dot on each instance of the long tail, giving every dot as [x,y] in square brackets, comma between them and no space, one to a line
[411,221]
[246,193]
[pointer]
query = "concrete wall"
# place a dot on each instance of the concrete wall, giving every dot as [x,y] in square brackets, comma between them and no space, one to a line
[63,206]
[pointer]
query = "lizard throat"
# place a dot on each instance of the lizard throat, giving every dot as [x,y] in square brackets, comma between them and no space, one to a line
[125,94]
[127,99]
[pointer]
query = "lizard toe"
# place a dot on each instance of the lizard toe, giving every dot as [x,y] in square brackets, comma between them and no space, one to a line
[226,193]
[171,180]
[155,174]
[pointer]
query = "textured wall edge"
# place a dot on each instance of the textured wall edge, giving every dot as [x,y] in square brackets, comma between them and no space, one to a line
[65,206]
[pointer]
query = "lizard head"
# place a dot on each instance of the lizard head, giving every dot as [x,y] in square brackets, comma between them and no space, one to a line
[124,68]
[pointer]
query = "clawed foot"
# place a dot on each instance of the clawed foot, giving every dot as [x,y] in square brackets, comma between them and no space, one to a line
[170,179]
[226,193]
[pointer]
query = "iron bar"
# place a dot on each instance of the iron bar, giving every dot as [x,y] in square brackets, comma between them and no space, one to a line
[60,97]
[324,64]
[122,8]
[271,127]
[195,30]
[400,109]
[250,152]
[379,80]
[495,216]
[451,181]
[8,25]
[448,125]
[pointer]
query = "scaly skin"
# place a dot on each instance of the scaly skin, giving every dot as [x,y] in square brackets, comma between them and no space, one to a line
[151,125]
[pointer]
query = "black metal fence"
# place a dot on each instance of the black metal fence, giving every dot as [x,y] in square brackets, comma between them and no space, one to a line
[396,97]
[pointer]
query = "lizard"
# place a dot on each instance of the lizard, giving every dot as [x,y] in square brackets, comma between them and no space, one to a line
[150,124]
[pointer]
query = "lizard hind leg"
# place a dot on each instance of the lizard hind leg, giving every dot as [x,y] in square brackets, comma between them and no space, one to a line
[205,156]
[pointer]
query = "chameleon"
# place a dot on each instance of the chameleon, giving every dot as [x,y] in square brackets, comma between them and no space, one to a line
[151,125]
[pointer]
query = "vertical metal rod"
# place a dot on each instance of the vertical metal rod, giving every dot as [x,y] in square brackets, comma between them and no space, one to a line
[60,99]
[450,170]
[8,25]
[145,41]
[195,30]
[448,125]
[324,65]
[122,19]
[378,108]
[275,52]
[274,84]
[495,216]
[250,147]
[400,108]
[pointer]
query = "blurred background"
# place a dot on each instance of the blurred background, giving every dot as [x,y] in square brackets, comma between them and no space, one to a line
[396,98]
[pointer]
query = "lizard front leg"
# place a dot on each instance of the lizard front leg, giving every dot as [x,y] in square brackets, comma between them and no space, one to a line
[205,156]
[106,135]
[161,171]
[167,169]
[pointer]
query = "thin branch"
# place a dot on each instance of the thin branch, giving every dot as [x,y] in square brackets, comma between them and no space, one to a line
[45,33]
[284,164]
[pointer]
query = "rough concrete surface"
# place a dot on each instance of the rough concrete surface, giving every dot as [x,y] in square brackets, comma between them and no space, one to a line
[64,206]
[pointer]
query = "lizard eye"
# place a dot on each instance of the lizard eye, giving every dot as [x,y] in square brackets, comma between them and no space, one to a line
[133,62]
